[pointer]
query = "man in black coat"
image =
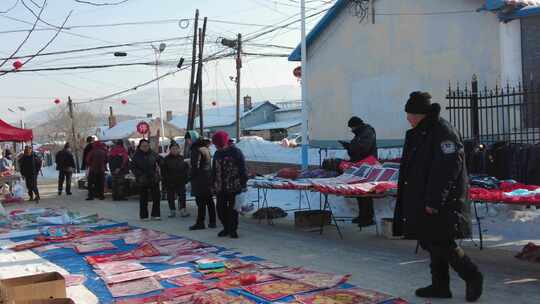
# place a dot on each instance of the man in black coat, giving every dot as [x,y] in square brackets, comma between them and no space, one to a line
[145,166]
[30,165]
[364,144]
[89,141]
[174,174]
[65,163]
[432,204]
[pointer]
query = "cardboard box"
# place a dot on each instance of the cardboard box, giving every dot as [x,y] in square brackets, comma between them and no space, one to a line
[311,219]
[42,286]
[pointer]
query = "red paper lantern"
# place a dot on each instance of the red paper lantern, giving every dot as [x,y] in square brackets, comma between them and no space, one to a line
[57,101]
[214,103]
[297,72]
[124,101]
[17,65]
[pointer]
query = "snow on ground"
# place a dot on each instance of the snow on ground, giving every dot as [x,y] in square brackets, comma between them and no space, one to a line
[257,149]
[504,227]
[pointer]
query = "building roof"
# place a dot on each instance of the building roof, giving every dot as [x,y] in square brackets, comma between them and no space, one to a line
[217,117]
[506,9]
[288,110]
[276,125]
[123,129]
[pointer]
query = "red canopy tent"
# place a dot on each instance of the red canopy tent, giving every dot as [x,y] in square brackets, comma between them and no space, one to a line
[11,133]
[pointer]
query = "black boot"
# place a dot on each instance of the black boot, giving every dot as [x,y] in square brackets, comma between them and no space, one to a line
[440,280]
[433,292]
[197,226]
[469,272]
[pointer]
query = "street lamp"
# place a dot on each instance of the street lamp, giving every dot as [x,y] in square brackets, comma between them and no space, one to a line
[157,53]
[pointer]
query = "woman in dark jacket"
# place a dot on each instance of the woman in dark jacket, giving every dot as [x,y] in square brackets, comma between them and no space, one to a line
[145,167]
[65,164]
[432,204]
[174,172]
[230,179]
[201,180]
[30,165]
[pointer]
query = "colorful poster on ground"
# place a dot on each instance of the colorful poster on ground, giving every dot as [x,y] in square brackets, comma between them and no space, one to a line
[136,287]
[275,290]
[344,296]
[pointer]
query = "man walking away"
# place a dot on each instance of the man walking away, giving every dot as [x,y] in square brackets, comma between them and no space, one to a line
[96,164]
[364,144]
[432,204]
[119,166]
[230,179]
[174,173]
[201,179]
[145,167]
[65,163]
[30,166]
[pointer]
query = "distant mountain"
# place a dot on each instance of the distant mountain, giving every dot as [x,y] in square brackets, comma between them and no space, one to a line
[144,102]
[176,100]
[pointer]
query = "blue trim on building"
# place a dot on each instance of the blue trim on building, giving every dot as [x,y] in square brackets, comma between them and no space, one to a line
[333,13]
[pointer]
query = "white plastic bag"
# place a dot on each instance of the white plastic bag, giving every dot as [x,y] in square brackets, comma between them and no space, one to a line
[242,204]
[18,190]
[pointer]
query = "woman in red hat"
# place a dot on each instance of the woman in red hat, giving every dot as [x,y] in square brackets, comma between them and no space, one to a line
[230,179]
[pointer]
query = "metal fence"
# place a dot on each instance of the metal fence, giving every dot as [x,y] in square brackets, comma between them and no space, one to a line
[508,113]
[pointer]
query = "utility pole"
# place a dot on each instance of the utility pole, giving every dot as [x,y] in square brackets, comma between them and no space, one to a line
[238,68]
[73,134]
[191,107]
[202,37]
[305,114]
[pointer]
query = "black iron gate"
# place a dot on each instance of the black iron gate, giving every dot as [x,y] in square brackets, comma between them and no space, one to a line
[509,113]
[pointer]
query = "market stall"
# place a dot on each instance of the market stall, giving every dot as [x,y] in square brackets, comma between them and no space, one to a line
[119,263]
[9,133]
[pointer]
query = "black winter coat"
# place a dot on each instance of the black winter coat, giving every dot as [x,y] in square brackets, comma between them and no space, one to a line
[30,165]
[145,167]
[86,151]
[174,171]
[433,174]
[229,171]
[201,169]
[64,159]
[364,143]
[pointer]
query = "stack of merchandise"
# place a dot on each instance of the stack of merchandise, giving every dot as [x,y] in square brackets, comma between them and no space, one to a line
[489,189]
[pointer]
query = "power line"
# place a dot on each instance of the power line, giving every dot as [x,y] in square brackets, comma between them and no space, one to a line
[102,3]
[101,47]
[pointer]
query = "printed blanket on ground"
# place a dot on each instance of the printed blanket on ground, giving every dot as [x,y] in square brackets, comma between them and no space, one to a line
[140,273]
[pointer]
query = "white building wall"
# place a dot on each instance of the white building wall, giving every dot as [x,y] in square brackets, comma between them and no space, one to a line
[511,63]
[369,69]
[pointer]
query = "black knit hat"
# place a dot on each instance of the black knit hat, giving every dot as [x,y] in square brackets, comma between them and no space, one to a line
[419,103]
[173,144]
[355,122]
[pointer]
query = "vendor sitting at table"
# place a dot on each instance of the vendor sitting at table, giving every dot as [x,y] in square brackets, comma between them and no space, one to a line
[364,144]
[6,163]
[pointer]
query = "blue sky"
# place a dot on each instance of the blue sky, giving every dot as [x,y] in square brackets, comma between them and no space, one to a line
[36,91]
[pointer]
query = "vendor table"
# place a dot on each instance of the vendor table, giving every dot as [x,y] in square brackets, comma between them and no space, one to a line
[262,202]
[328,207]
[487,203]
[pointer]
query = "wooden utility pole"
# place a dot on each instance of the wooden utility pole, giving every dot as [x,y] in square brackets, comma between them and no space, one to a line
[73,134]
[202,36]
[238,68]
[191,107]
